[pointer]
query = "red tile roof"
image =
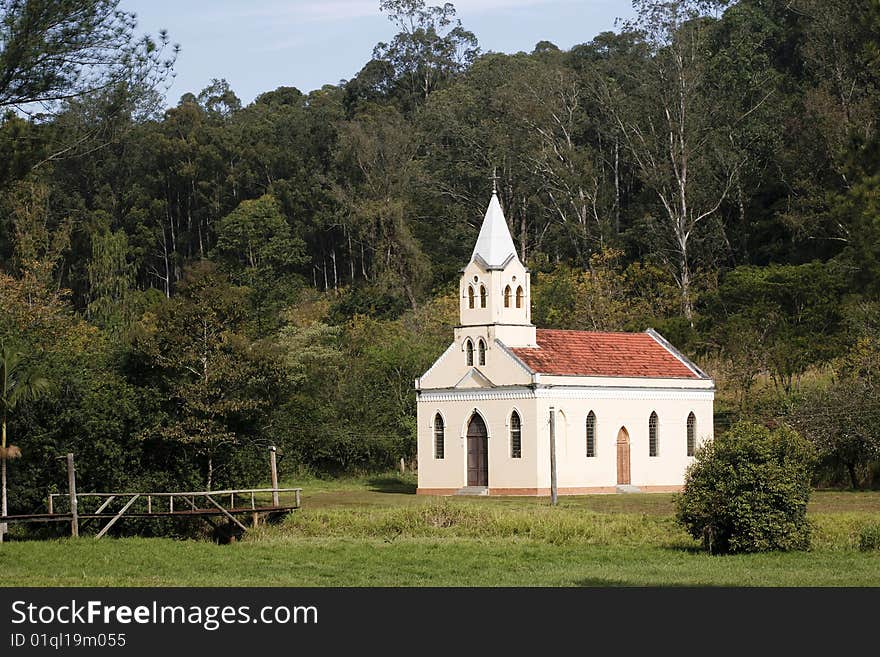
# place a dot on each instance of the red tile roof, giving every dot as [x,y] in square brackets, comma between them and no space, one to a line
[588,353]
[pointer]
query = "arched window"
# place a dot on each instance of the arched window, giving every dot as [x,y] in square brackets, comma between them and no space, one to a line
[515,436]
[591,434]
[653,442]
[439,438]
[470,296]
[482,296]
[469,350]
[507,294]
[481,352]
[691,434]
[519,297]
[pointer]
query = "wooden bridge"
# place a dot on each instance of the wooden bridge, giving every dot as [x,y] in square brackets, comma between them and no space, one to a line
[233,505]
[228,504]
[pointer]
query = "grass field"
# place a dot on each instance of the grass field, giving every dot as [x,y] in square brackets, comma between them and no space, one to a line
[376,532]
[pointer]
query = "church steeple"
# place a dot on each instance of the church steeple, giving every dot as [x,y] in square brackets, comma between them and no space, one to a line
[494,244]
[495,292]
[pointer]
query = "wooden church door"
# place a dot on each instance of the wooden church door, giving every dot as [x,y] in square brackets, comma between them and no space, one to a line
[623,470]
[477,452]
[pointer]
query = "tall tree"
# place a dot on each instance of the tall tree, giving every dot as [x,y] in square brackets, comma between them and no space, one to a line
[377,159]
[430,48]
[215,381]
[55,50]
[673,128]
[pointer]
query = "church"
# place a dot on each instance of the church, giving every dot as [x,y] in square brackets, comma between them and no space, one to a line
[623,411]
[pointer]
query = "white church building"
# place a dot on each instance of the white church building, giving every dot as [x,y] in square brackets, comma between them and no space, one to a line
[626,410]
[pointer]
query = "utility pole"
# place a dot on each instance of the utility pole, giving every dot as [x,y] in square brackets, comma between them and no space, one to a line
[553,490]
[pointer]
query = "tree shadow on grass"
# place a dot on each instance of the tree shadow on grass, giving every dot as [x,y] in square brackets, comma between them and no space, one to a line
[391,485]
[602,582]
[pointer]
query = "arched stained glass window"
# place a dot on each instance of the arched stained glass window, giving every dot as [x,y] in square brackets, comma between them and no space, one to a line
[691,434]
[481,352]
[591,434]
[515,436]
[469,351]
[439,437]
[653,439]
[519,297]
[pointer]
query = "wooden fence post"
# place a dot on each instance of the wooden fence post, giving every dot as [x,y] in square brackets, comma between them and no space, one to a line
[71,485]
[274,465]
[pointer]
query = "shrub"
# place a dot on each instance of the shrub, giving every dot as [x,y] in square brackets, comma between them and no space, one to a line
[869,538]
[748,491]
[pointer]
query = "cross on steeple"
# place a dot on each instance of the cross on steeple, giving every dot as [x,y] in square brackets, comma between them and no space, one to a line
[495,180]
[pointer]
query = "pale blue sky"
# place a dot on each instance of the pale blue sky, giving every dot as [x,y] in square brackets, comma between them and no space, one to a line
[263,44]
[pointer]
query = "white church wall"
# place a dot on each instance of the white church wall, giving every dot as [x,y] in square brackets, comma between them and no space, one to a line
[576,472]
[579,473]
[500,367]
[445,476]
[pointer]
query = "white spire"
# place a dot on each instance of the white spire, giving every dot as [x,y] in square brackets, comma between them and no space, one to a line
[494,243]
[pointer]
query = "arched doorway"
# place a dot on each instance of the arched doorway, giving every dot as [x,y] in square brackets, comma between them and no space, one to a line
[623,470]
[477,452]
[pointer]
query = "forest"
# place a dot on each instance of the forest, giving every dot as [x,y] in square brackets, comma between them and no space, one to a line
[186,283]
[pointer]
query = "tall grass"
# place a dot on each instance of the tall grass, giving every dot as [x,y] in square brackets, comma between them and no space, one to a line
[555,526]
[477,521]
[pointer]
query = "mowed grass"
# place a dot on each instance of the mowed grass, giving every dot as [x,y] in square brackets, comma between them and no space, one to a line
[374,531]
[415,562]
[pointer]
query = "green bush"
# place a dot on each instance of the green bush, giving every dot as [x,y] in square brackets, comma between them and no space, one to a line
[869,538]
[748,491]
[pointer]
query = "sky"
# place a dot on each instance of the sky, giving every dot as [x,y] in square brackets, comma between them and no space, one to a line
[260,45]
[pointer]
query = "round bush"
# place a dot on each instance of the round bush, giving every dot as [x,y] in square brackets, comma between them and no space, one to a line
[748,491]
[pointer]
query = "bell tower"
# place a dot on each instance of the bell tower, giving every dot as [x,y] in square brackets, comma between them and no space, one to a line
[495,288]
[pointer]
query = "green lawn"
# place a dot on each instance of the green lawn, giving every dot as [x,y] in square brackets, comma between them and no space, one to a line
[375,532]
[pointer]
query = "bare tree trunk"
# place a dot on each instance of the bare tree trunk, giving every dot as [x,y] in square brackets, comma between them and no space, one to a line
[740,197]
[851,468]
[350,257]
[687,306]
[616,186]
[210,471]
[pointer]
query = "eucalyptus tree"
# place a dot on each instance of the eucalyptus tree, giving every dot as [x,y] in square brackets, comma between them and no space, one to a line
[430,48]
[674,129]
[377,169]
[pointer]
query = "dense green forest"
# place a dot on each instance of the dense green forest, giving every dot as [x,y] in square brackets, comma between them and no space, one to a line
[181,288]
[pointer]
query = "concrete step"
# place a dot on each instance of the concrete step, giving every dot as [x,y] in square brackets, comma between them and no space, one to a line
[473,490]
[627,488]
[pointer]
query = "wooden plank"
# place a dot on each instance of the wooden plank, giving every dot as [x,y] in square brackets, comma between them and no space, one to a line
[101,508]
[117,516]
[199,512]
[225,512]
